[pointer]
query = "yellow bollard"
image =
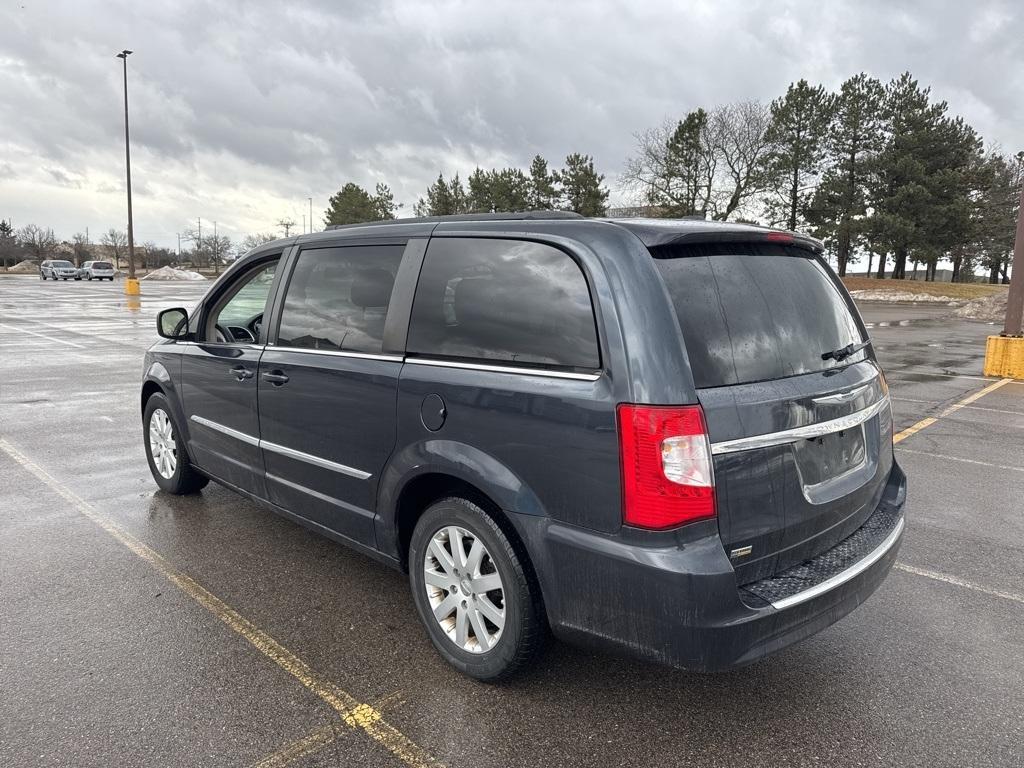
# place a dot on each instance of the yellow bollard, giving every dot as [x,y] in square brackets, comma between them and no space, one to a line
[1004,356]
[131,287]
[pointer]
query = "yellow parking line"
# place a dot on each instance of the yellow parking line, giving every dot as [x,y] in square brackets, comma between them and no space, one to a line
[915,428]
[288,754]
[352,712]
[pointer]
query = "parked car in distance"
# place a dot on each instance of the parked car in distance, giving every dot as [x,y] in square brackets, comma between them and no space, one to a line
[97,270]
[57,269]
[669,439]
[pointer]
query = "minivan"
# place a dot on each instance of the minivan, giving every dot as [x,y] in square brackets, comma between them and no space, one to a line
[58,269]
[97,270]
[665,438]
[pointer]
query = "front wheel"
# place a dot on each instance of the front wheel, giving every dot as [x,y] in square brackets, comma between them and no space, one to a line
[165,450]
[479,604]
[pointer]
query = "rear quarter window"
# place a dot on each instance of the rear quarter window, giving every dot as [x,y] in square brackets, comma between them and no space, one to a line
[512,302]
[755,312]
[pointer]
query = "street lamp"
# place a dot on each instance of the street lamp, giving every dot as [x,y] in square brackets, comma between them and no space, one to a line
[131,285]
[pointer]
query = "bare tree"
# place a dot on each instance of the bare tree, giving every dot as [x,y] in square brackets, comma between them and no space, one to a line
[115,241]
[38,242]
[80,247]
[707,164]
[740,131]
[254,241]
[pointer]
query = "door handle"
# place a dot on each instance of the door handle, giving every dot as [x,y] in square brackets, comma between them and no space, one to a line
[241,373]
[277,378]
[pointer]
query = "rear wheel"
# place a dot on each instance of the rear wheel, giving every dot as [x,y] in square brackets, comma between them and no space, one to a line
[480,607]
[165,450]
[42,276]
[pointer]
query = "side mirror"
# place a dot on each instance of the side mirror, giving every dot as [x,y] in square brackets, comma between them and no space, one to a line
[172,323]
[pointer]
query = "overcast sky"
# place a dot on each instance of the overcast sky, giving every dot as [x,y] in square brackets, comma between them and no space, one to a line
[240,111]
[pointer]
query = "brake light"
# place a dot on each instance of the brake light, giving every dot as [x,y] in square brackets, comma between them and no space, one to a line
[779,237]
[665,454]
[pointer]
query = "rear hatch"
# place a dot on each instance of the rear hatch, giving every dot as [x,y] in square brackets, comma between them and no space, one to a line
[801,437]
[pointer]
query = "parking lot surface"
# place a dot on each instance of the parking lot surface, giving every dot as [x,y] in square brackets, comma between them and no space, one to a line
[138,628]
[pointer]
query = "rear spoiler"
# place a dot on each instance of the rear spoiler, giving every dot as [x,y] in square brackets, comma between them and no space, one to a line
[747,236]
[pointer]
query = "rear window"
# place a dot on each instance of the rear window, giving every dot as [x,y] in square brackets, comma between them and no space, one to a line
[101,265]
[755,312]
[511,302]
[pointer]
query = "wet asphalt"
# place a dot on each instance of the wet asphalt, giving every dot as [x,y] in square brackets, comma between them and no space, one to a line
[104,661]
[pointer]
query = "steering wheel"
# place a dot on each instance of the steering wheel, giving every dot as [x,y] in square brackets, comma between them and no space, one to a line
[223,334]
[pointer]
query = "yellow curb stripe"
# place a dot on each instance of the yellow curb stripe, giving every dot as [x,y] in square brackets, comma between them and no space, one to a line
[353,713]
[923,423]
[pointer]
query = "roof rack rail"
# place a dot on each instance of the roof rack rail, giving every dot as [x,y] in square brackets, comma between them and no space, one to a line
[518,216]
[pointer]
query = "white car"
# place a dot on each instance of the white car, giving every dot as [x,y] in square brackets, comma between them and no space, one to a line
[98,270]
[58,269]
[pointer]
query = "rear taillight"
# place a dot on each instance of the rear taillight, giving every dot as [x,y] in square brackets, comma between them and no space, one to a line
[666,465]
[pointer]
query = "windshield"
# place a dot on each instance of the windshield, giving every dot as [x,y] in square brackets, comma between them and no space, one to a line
[755,312]
[62,264]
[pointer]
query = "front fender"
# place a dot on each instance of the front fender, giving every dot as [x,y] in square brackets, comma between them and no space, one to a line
[157,372]
[459,460]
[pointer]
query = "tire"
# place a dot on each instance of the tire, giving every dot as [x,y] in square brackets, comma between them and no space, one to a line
[172,472]
[42,276]
[523,628]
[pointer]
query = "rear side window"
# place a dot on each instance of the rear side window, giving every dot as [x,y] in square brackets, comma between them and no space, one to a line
[504,301]
[337,298]
[755,312]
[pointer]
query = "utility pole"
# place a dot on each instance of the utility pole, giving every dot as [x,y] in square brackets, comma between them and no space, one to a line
[199,238]
[1015,300]
[131,285]
[179,246]
[303,223]
[216,248]
[311,215]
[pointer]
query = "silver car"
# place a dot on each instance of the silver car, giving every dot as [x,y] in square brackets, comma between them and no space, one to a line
[97,270]
[58,269]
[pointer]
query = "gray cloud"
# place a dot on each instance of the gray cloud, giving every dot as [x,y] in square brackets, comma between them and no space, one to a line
[241,110]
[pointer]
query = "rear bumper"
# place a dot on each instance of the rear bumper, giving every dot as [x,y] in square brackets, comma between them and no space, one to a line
[673,598]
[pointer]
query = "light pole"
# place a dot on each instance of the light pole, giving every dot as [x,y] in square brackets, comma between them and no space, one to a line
[131,285]
[311,215]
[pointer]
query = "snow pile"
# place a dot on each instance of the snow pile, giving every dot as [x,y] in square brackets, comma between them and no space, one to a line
[876,295]
[991,308]
[24,267]
[172,273]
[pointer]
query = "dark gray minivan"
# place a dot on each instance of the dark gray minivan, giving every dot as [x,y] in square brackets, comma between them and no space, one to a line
[666,438]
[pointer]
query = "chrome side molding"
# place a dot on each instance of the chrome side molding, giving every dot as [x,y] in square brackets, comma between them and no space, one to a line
[281,449]
[801,433]
[525,371]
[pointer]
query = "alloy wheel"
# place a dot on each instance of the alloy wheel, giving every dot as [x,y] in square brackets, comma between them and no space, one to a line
[162,444]
[464,589]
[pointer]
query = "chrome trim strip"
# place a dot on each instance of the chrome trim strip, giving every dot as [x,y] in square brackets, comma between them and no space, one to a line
[843,576]
[247,439]
[338,353]
[505,369]
[291,453]
[284,451]
[800,433]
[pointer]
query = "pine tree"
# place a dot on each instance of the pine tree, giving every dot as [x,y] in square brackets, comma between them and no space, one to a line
[543,194]
[796,137]
[353,205]
[444,198]
[480,198]
[853,139]
[582,186]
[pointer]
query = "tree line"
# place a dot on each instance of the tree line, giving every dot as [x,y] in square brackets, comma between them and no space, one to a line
[874,169]
[34,243]
[575,187]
